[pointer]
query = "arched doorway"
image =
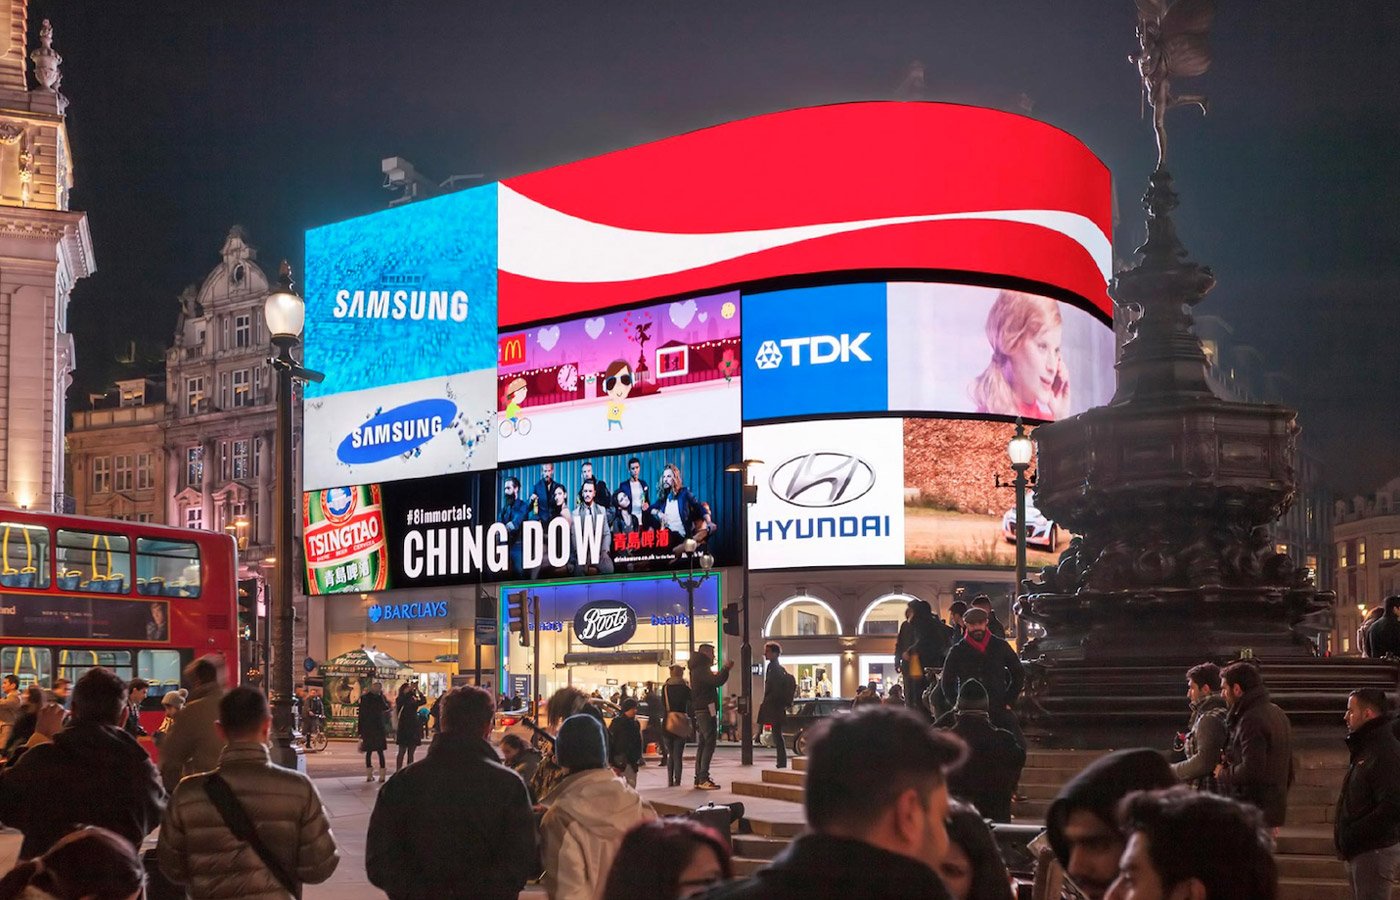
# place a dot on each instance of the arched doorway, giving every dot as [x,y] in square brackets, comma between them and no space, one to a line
[805,616]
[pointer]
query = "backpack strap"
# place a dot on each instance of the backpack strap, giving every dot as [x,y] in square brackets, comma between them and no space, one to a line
[236,818]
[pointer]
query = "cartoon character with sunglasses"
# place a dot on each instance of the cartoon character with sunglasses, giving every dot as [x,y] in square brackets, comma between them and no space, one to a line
[617,384]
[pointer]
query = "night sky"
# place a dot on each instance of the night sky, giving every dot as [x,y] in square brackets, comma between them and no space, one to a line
[186,118]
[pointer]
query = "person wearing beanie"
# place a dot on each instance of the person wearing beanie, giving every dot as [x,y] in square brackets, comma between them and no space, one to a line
[995,758]
[1082,823]
[588,813]
[170,704]
[625,742]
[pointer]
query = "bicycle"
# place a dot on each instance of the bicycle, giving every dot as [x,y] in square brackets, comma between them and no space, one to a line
[314,739]
[520,426]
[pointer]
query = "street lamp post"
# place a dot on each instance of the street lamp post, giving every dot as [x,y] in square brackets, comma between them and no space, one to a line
[691,583]
[285,313]
[1019,450]
[750,494]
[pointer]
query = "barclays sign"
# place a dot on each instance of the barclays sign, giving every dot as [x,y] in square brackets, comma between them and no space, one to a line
[605,623]
[390,611]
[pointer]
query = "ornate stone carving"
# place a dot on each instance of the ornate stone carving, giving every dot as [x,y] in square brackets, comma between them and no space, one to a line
[10,133]
[46,65]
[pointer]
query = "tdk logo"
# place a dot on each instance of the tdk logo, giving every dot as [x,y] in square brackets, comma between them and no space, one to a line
[395,431]
[820,349]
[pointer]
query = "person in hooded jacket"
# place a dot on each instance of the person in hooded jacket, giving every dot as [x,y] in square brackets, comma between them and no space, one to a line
[589,813]
[1082,823]
[90,773]
[988,778]
[457,824]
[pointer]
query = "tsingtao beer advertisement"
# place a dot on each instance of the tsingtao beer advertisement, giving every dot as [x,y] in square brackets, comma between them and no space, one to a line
[343,536]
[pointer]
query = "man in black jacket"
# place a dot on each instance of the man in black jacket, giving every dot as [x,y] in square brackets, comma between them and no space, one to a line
[876,800]
[989,659]
[704,687]
[994,758]
[778,689]
[1367,832]
[1258,758]
[91,773]
[456,824]
[1384,636]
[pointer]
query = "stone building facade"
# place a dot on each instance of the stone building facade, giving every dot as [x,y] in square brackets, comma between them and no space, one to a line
[1367,534]
[44,249]
[208,437]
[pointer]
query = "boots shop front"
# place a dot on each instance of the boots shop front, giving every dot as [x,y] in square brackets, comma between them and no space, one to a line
[607,635]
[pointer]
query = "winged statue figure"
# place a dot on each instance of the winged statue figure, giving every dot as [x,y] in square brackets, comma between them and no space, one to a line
[1173,41]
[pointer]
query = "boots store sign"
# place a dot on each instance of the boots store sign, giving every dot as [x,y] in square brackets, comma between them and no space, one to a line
[605,623]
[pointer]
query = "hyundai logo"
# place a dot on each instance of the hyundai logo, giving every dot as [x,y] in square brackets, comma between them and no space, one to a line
[395,431]
[822,478]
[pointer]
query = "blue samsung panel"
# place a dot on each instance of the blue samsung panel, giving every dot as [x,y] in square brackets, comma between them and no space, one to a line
[816,351]
[404,294]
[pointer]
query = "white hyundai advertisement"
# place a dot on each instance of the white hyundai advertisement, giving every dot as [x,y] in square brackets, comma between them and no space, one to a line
[830,493]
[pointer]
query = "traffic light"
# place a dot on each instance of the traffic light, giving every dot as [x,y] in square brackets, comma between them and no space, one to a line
[731,619]
[247,608]
[519,617]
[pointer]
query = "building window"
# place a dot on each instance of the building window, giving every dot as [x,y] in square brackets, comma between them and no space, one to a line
[225,461]
[240,459]
[1361,553]
[257,455]
[133,396]
[145,472]
[194,517]
[242,388]
[101,474]
[145,517]
[243,331]
[194,467]
[223,390]
[1342,556]
[124,478]
[194,395]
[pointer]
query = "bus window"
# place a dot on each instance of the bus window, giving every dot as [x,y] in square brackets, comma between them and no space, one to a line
[89,561]
[167,568]
[162,669]
[31,665]
[25,555]
[73,663]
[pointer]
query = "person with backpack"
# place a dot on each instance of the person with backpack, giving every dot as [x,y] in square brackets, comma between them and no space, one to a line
[779,689]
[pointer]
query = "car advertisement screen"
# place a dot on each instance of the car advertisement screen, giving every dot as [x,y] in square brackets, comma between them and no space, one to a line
[654,374]
[401,318]
[915,347]
[830,493]
[954,513]
[622,512]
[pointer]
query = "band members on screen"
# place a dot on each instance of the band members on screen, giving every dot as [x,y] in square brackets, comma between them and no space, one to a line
[637,534]
[1026,375]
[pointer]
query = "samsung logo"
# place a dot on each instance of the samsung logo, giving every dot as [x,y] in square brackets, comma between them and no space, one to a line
[396,431]
[416,306]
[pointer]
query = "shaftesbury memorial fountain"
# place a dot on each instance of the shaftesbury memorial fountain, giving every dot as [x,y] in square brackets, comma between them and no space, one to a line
[1171,489]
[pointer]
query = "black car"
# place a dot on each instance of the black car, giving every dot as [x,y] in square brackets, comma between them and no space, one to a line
[801,716]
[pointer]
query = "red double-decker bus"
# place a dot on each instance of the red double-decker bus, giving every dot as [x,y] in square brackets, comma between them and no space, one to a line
[142,600]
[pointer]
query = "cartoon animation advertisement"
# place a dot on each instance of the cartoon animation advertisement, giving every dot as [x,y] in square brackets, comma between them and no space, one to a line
[607,513]
[654,374]
[916,347]
[401,317]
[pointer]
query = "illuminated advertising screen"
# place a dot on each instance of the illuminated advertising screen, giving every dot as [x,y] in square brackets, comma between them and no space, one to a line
[607,513]
[654,374]
[954,513]
[401,318]
[830,493]
[915,347]
[40,616]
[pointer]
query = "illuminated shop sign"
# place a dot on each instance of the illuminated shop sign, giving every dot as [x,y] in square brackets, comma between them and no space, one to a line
[605,623]
[606,613]
[389,612]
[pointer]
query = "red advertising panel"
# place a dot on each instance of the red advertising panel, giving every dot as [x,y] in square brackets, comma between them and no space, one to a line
[849,187]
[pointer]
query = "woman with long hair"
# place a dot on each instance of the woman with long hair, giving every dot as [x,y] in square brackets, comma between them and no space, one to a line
[408,732]
[972,868]
[86,864]
[1026,375]
[675,698]
[667,859]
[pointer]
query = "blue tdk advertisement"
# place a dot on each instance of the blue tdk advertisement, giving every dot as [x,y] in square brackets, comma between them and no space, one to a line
[815,351]
[401,318]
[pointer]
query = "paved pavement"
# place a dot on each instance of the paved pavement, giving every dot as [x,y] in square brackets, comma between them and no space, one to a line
[339,776]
